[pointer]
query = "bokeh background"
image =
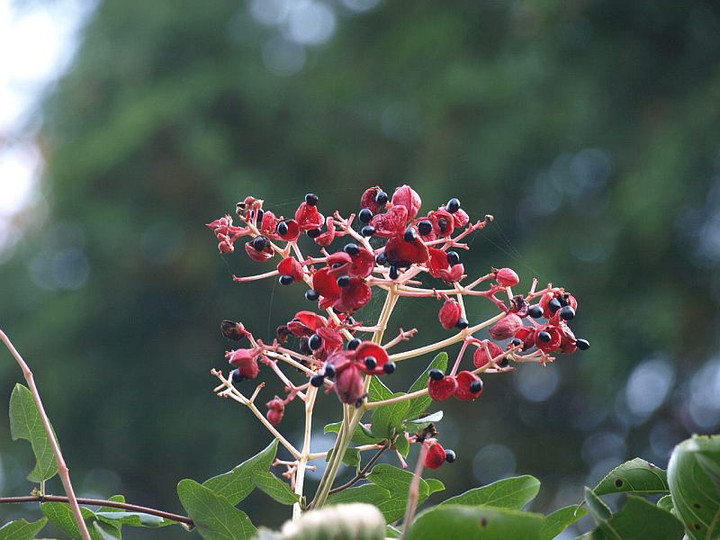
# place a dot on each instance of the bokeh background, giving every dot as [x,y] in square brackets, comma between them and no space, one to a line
[590,130]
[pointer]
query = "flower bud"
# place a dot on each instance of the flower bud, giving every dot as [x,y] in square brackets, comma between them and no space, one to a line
[506,327]
[449,314]
[506,277]
[481,358]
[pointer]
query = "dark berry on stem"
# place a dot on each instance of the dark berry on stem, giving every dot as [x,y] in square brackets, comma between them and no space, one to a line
[544,336]
[394,272]
[554,305]
[259,243]
[535,312]
[353,344]
[516,342]
[582,344]
[370,362]
[235,377]
[365,215]
[476,386]
[563,300]
[389,368]
[311,199]
[351,249]
[462,323]
[286,280]
[367,230]
[381,259]
[329,371]
[443,225]
[453,205]
[409,235]
[314,233]
[567,313]
[231,330]
[259,218]
[504,362]
[312,295]
[282,228]
[343,281]
[436,374]
[425,227]
[317,380]
[450,456]
[315,342]
[381,198]
[453,258]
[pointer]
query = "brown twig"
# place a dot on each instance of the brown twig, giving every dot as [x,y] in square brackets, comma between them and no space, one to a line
[100,502]
[363,473]
[63,469]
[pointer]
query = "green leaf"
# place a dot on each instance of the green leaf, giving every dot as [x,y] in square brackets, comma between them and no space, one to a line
[214,517]
[61,515]
[413,426]
[475,523]
[402,444]
[636,476]
[666,503]
[25,423]
[367,493]
[361,436]
[560,520]
[512,493]
[118,518]
[352,457]
[397,482]
[598,509]
[378,391]
[419,405]
[392,532]
[238,484]
[639,520]
[276,488]
[21,529]
[104,531]
[694,478]
[434,485]
[388,420]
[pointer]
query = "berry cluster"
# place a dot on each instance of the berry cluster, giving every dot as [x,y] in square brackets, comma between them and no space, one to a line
[390,248]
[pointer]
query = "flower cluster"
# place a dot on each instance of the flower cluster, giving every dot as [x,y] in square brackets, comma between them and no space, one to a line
[389,247]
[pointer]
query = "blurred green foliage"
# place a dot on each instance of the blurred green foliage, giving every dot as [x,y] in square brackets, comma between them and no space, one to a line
[590,130]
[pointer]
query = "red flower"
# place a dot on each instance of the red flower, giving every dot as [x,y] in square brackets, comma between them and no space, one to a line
[288,229]
[245,360]
[353,296]
[469,386]
[326,286]
[259,255]
[290,266]
[306,323]
[368,349]
[308,217]
[401,252]
[369,199]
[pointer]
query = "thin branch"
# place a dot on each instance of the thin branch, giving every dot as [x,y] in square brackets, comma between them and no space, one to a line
[63,469]
[101,502]
[363,473]
[414,491]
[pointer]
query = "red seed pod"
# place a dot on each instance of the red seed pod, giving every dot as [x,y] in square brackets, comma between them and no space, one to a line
[305,323]
[437,261]
[368,199]
[245,360]
[276,411]
[293,230]
[407,197]
[442,389]
[527,335]
[442,222]
[308,217]
[481,358]
[225,245]
[339,263]
[548,345]
[506,277]
[563,298]
[349,383]
[460,218]
[390,223]
[353,296]
[400,252]
[452,274]
[435,456]
[369,349]
[290,266]
[326,238]
[506,327]
[469,386]
[569,342]
[325,284]
[258,256]
[269,224]
[449,314]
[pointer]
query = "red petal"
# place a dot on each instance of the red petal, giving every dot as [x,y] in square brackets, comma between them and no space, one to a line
[368,199]
[308,217]
[465,379]
[258,256]
[325,284]
[368,348]
[353,296]
[290,266]
[391,222]
[403,253]
[407,197]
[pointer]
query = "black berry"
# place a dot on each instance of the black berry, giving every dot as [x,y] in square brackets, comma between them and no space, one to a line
[365,215]
[381,198]
[389,368]
[311,199]
[286,280]
[544,336]
[381,259]
[535,312]
[259,243]
[453,205]
[394,272]
[353,344]
[370,362]
[554,305]
[476,386]
[567,313]
[453,258]
[343,281]
[583,344]
[312,295]
[450,456]
[282,228]
[462,323]
[351,249]
[317,380]
[314,233]
[516,342]
[409,235]
[235,377]
[424,227]
[367,230]
[436,374]
[329,371]
[315,342]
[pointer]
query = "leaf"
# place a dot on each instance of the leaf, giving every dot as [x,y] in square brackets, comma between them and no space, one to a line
[378,391]
[694,478]
[512,493]
[402,444]
[666,503]
[238,484]
[475,522]
[367,493]
[434,485]
[560,520]
[598,509]
[214,517]
[276,488]
[397,482]
[419,405]
[639,520]
[104,531]
[61,515]
[351,457]
[118,518]
[25,423]
[21,529]
[388,419]
[636,476]
[418,424]
[392,532]
[361,436]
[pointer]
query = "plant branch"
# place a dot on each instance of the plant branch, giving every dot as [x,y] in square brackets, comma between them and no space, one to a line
[100,502]
[414,492]
[363,473]
[63,469]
